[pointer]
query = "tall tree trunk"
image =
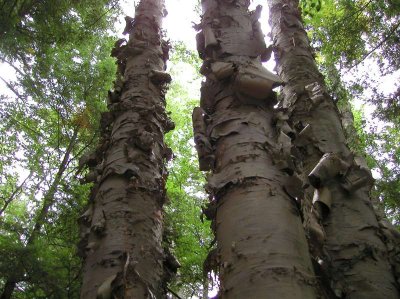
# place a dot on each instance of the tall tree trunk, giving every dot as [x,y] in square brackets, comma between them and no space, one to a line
[48,202]
[354,257]
[262,249]
[122,229]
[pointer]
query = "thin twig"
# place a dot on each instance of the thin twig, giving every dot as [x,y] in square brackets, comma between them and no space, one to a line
[14,194]
[173,293]
[377,46]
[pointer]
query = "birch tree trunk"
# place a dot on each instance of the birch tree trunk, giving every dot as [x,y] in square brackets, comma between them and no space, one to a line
[352,254]
[262,249]
[122,228]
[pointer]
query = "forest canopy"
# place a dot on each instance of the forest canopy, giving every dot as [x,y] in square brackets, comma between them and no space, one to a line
[56,75]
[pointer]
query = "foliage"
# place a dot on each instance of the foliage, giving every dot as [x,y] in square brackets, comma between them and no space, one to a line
[384,141]
[50,113]
[59,51]
[190,238]
[30,28]
[181,54]
[347,31]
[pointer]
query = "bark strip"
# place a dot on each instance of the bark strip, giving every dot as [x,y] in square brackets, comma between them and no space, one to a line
[122,228]
[261,246]
[347,237]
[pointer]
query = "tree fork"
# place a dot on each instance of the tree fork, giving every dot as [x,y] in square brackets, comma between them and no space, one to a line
[339,216]
[122,229]
[261,246]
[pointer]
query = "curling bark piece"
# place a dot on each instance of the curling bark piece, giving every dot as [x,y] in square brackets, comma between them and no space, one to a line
[105,290]
[286,129]
[281,120]
[304,137]
[129,23]
[171,262]
[211,263]
[200,45]
[281,155]
[256,82]
[316,92]
[132,50]
[392,232]
[329,167]
[210,40]
[106,119]
[257,32]
[84,222]
[221,70]
[160,77]
[266,55]
[119,47]
[294,188]
[355,179]
[357,176]
[113,97]
[203,145]
[209,211]
[88,159]
[322,201]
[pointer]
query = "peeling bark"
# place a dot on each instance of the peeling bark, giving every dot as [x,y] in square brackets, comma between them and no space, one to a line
[261,246]
[354,260]
[122,229]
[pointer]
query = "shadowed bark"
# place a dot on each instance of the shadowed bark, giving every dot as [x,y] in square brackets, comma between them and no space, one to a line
[122,228]
[261,247]
[345,233]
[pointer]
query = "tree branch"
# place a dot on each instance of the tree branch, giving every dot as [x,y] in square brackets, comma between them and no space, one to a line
[15,193]
[173,293]
[392,31]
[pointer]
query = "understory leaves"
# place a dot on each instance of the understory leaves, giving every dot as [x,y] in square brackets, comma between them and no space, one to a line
[190,239]
[58,52]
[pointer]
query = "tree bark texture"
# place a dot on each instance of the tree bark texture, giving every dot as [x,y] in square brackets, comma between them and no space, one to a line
[122,228]
[261,246]
[347,237]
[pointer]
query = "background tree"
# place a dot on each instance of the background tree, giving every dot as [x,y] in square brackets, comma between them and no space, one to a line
[122,228]
[356,260]
[357,42]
